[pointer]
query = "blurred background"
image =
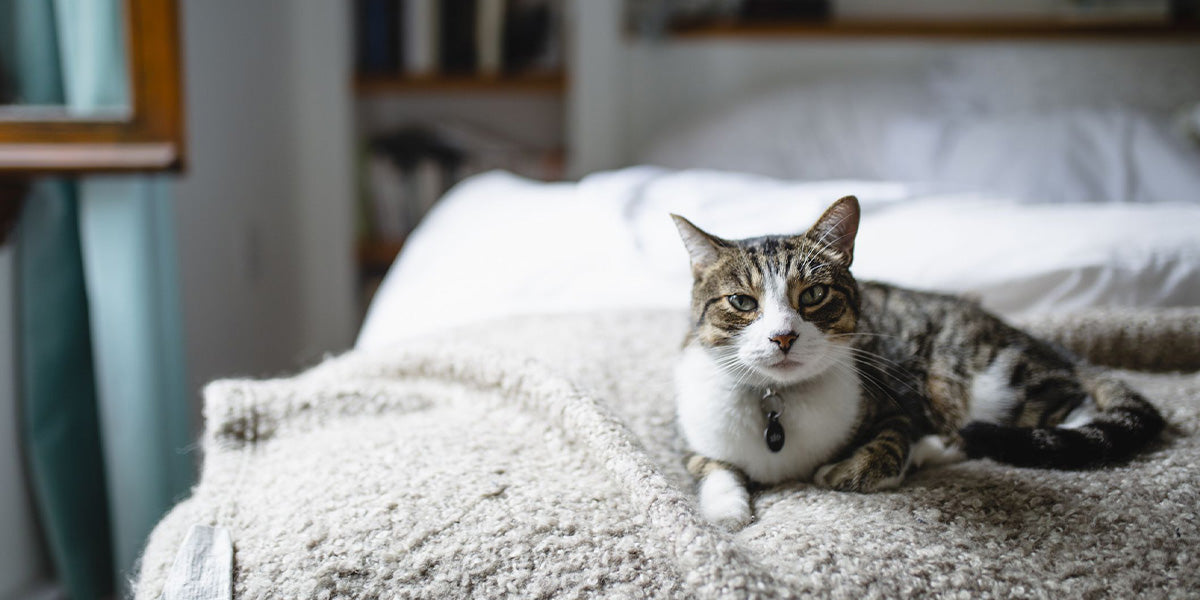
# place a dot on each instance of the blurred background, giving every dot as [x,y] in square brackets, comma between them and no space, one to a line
[316,134]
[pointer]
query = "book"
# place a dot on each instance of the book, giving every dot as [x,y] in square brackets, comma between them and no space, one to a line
[1117,11]
[481,150]
[377,48]
[528,25]
[427,164]
[767,10]
[489,36]
[387,199]
[422,45]
[429,183]
[457,30]
[946,10]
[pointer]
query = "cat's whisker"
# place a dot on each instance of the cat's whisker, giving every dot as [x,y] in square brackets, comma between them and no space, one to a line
[742,375]
[733,367]
[860,334]
[887,366]
[875,355]
[896,373]
[869,380]
[891,367]
[747,373]
[863,379]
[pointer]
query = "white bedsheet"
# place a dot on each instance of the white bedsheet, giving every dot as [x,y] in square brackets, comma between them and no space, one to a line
[500,245]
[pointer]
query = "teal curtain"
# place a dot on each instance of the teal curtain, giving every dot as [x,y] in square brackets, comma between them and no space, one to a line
[60,413]
[62,435]
[130,264]
[59,409]
[130,267]
[106,408]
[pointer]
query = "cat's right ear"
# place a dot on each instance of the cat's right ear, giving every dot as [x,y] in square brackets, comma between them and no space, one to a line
[702,247]
[837,228]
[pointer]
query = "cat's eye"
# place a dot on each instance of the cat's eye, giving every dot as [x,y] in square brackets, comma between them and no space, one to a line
[814,295]
[743,302]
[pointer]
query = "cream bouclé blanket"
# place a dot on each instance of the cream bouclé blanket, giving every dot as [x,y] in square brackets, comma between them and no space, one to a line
[538,457]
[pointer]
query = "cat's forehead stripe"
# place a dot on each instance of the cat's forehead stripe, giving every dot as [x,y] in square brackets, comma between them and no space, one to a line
[783,256]
[752,262]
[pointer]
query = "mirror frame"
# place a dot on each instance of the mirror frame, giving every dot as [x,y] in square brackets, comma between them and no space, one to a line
[150,138]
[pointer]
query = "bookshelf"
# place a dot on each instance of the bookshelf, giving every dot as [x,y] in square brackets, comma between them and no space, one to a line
[444,89]
[376,256]
[548,82]
[982,30]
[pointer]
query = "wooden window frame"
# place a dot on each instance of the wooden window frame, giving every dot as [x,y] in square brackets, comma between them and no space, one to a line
[148,138]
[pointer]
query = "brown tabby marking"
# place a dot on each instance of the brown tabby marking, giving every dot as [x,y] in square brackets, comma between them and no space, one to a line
[701,466]
[948,398]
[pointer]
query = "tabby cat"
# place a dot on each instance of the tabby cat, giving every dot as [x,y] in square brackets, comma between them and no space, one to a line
[793,370]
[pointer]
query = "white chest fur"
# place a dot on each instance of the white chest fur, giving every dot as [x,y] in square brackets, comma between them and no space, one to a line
[725,421]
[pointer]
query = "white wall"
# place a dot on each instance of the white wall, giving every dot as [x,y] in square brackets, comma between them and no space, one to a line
[322,117]
[234,207]
[598,90]
[264,210]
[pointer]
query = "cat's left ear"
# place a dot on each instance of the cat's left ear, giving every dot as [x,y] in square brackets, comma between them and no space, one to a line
[836,228]
[702,247]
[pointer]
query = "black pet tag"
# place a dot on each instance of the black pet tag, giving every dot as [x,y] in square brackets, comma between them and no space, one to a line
[774,433]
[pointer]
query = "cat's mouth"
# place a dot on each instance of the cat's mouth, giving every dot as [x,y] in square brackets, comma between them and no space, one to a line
[786,363]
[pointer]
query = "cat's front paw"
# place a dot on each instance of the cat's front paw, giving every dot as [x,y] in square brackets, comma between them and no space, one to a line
[856,475]
[724,501]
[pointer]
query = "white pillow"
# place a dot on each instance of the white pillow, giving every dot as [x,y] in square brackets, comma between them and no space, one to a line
[499,245]
[1071,155]
[1023,259]
[818,130]
[1159,77]
[1187,122]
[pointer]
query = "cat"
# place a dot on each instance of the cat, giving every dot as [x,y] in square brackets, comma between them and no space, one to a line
[794,371]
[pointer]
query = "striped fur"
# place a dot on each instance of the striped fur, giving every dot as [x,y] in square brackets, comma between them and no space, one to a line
[922,365]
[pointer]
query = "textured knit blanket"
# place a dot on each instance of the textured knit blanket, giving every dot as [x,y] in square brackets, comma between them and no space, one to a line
[538,457]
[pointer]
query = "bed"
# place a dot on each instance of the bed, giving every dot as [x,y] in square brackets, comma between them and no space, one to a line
[504,425]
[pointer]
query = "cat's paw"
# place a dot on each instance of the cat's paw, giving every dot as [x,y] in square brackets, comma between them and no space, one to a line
[724,501]
[855,475]
[934,451]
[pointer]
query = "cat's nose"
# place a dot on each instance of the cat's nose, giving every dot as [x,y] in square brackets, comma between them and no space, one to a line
[784,340]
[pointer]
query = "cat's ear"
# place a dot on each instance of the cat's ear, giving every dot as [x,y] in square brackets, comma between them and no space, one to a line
[703,248]
[836,228]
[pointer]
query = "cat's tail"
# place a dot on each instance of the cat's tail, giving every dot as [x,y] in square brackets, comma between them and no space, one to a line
[1113,424]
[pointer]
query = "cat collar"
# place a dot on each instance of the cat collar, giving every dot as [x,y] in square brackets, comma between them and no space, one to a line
[772,406]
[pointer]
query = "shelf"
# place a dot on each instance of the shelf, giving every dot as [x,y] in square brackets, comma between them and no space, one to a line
[89,158]
[957,30]
[533,83]
[377,256]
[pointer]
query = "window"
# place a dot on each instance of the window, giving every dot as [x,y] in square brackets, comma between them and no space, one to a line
[147,136]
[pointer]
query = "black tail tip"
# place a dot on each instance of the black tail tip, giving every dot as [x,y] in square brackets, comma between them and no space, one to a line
[1046,447]
[982,440]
